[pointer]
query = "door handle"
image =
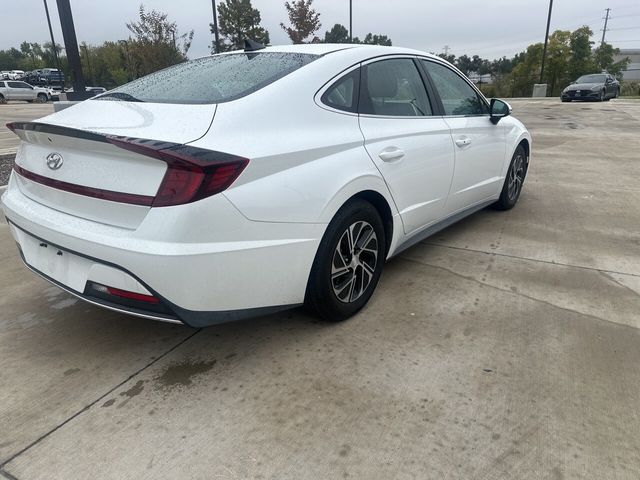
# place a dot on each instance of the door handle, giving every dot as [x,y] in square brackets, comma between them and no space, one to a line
[463,142]
[391,155]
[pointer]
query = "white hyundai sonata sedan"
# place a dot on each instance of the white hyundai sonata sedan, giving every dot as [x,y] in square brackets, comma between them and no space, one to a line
[254,181]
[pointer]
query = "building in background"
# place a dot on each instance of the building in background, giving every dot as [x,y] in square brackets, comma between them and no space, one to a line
[633,69]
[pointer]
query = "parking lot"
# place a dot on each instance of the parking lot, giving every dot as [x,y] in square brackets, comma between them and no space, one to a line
[504,347]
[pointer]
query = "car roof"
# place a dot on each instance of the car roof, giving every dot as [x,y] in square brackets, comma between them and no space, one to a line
[327,48]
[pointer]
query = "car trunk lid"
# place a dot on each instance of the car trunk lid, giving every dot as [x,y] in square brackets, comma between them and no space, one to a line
[67,161]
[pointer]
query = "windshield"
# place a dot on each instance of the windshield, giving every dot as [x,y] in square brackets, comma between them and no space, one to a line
[215,79]
[591,79]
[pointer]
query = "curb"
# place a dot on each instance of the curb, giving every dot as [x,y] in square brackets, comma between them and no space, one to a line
[7,156]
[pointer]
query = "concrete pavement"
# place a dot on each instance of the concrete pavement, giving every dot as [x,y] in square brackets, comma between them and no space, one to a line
[505,347]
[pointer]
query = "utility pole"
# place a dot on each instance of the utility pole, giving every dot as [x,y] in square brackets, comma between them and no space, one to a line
[350,21]
[446,50]
[546,40]
[215,27]
[53,43]
[604,30]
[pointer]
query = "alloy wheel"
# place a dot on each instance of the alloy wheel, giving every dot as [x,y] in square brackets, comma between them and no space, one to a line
[516,177]
[354,262]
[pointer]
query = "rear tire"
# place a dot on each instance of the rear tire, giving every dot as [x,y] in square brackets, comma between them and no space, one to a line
[2,99]
[348,263]
[514,180]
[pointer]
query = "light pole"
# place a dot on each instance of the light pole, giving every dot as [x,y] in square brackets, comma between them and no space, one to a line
[53,43]
[546,39]
[215,26]
[350,21]
[71,47]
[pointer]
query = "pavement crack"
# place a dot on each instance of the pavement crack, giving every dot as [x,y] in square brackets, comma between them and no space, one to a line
[511,292]
[7,475]
[593,269]
[87,407]
[608,276]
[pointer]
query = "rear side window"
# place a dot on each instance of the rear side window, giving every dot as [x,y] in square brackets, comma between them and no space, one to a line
[393,88]
[458,97]
[343,94]
[214,79]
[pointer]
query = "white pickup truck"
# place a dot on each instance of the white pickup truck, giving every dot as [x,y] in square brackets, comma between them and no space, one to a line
[15,90]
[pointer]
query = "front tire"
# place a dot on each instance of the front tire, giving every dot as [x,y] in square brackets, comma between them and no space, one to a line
[42,98]
[603,96]
[514,180]
[348,263]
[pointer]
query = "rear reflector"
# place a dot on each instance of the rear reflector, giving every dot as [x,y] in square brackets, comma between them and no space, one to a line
[140,297]
[192,173]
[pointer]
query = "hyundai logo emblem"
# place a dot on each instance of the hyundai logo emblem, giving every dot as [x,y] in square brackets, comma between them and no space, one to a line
[54,161]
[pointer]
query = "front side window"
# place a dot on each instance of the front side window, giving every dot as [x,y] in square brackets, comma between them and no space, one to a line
[214,79]
[458,97]
[393,88]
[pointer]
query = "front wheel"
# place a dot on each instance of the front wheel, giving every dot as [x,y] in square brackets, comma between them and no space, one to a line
[602,96]
[514,180]
[42,98]
[348,263]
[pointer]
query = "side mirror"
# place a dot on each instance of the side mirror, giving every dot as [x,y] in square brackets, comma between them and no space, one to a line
[498,109]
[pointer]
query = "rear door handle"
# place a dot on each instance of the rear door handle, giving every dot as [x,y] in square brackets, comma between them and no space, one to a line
[463,142]
[391,154]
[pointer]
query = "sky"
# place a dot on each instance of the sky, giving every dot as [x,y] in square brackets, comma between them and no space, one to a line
[489,28]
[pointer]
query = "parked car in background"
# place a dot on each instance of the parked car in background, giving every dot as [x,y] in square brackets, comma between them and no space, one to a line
[16,90]
[598,86]
[96,90]
[4,74]
[16,74]
[249,182]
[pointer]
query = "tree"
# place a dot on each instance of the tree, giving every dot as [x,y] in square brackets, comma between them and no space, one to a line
[603,60]
[371,39]
[157,43]
[449,57]
[305,21]
[580,61]
[238,21]
[558,54]
[338,34]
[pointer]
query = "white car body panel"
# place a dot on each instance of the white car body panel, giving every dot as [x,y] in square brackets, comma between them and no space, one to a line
[419,188]
[479,162]
[250,248]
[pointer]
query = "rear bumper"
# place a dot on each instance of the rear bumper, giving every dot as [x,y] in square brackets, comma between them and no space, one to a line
[229,269]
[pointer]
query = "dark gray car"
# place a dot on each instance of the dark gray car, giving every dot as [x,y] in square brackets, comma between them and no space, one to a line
[597,86]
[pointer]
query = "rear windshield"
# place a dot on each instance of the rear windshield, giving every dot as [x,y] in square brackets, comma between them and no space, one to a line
[591,79]
[215,79]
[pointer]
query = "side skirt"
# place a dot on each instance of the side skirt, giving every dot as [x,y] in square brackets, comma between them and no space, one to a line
[441,225]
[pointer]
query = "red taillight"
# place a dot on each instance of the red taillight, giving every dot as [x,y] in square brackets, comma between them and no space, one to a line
[192,173]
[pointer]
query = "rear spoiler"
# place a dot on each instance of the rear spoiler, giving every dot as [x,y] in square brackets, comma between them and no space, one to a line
[192,173]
